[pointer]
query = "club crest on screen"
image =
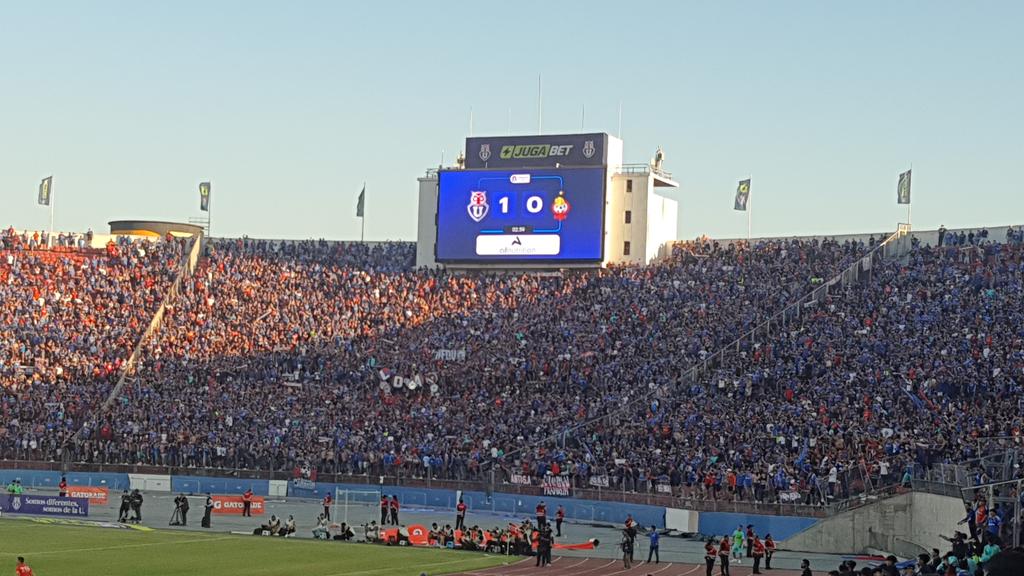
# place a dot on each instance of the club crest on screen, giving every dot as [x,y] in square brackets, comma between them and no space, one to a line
[485,152]
[588,149]
[477,207]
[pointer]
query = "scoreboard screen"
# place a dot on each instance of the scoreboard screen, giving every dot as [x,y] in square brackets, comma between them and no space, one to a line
[525,215]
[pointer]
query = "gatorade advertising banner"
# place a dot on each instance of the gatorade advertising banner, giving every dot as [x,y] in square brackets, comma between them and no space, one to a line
[94,494]
[233,505]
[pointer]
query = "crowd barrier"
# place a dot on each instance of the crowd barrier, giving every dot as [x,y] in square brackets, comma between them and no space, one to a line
[513,505]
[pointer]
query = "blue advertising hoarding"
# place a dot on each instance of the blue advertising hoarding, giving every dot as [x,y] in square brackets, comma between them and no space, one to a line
[525,215]
[44,505]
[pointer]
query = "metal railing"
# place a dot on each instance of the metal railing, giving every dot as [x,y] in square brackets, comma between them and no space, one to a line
[642,169]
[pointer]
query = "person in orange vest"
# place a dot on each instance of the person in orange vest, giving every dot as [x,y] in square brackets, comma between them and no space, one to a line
[22,568]
[709,555]
[758,551]
[460,515]
[724,548]
[769,551]
[384,507]
[247,502]
[559,516]
[327,506]
[63,487]
[542,514]
[394,509]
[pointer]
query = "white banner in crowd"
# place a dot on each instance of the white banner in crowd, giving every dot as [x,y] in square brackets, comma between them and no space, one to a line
[557,486]
[449,355]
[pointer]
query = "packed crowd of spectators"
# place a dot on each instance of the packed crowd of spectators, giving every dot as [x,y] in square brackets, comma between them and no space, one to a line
[278,355]
[68,320]
[344,358]
[920,363]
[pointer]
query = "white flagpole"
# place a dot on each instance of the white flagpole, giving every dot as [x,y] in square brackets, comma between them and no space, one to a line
[540,105]
[619,133]
[53,201]
[470,121]
[750,205]
[911,198]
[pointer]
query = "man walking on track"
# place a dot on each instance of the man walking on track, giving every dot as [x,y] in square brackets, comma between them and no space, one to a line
[327,506]
[627,551]
[542,514]
[460,515]
[737,544]
[385,506]
[394,509]
[653,551]
[247,503]
[559,516]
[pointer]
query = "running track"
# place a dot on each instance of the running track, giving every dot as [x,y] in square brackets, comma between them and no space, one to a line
[574,566]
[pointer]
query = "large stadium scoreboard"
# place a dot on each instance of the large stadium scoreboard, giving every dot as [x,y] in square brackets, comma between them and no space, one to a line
[524,200]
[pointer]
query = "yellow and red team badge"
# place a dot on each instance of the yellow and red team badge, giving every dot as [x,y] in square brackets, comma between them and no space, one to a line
[560,207]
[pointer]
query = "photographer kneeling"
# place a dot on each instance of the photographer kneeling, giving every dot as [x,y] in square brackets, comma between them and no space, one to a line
[321,532]
[270,529]
[345,533]
[288,529]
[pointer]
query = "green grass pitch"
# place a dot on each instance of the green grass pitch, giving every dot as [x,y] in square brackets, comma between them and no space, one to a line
[52,549]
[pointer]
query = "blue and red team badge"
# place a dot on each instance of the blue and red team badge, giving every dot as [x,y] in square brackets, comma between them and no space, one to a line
[477,207]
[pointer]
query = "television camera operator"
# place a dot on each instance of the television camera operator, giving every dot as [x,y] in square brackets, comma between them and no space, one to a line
[180,515]
[136,504]
[126,504]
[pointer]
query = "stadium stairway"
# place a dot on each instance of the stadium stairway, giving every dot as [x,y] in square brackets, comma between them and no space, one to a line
[185,269]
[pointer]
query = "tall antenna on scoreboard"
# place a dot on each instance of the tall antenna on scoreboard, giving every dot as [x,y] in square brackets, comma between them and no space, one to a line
[470,121]
[540,104]
[509,132]
[619,134]
[583,116]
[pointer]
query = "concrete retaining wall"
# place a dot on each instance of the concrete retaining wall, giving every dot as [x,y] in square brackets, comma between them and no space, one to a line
[904,525]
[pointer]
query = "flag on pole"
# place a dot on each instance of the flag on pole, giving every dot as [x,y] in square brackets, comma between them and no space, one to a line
[903,188]
[45,191]
[742,195]
[204,196]
[361,203]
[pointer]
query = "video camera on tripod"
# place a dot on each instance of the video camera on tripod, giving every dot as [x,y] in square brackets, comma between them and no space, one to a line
[180,515]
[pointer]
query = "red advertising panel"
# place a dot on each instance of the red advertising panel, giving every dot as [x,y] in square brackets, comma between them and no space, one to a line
[233,505]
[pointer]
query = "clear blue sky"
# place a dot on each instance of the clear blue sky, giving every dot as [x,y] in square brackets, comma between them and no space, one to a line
[288,107]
